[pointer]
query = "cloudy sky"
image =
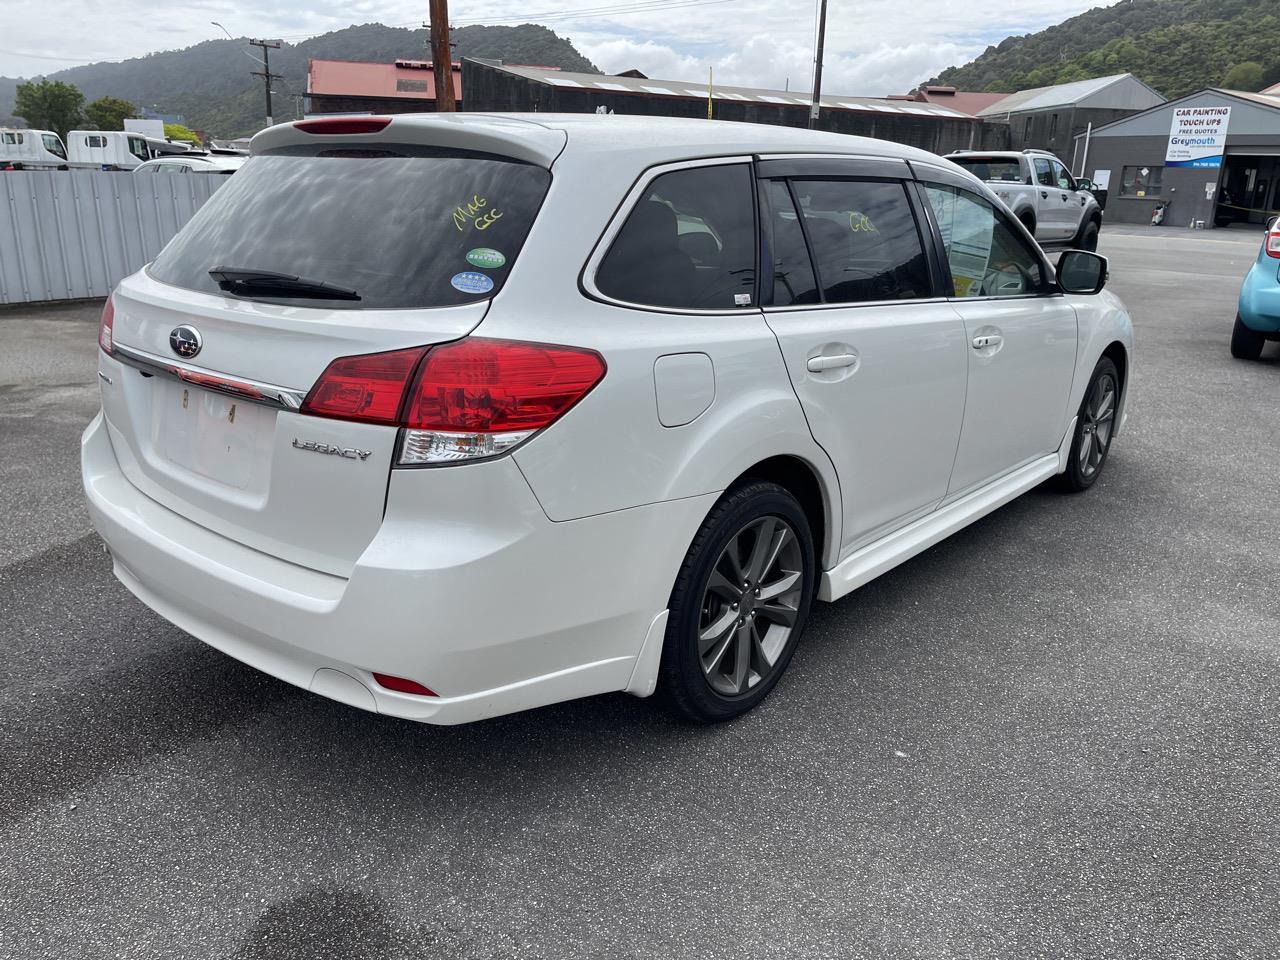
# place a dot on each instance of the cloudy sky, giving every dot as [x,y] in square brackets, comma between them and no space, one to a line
[873,46]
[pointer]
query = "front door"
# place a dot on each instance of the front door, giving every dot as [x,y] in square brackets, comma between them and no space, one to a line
[1020,340]
[877,360]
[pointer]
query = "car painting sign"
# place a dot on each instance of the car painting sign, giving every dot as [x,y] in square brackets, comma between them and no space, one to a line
[1198,137]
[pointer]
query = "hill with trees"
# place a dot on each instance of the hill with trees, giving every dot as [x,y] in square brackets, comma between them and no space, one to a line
[210,84]
[1176,46]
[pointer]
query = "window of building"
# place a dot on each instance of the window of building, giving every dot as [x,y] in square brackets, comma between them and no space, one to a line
[1145,181]
[1053,126]
[793,279]
[689,243]
[1026,131]
[866,245]
[987,257]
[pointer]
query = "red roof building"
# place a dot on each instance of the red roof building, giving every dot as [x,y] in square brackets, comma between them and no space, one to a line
[351,86]
[962,101]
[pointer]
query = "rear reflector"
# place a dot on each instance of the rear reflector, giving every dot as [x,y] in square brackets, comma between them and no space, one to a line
[105,327]
[367,388]
[401,685]
[342,125]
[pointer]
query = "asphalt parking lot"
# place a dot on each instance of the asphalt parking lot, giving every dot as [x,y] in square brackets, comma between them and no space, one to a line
[1054,735]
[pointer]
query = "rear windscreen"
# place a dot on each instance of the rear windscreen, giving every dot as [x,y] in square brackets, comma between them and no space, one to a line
[989,169]
[401,226]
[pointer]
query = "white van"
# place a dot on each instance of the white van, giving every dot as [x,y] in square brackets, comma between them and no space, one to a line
[107,149]
[31,149]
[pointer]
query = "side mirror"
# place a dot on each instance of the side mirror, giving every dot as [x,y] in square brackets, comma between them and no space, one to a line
[1080,271]
[1084,183]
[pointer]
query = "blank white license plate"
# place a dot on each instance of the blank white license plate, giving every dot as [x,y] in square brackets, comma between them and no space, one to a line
[211,434]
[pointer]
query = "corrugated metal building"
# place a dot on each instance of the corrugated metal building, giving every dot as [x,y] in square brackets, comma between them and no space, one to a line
[1049,118]
[1234,179]
[498,88]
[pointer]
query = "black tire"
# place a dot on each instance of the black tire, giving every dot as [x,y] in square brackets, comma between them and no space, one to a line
[1087,239]
[1084,466]
[1246,344]
[684,681]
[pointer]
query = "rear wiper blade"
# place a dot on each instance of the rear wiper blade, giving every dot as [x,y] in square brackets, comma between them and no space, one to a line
[271,283]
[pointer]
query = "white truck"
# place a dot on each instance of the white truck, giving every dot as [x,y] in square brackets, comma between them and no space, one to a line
[1054,206]
[31,150]
[107,149]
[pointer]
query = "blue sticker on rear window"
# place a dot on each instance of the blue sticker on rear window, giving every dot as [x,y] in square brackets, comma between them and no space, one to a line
[471,282]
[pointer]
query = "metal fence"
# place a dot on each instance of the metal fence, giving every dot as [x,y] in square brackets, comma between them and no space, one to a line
[71,234]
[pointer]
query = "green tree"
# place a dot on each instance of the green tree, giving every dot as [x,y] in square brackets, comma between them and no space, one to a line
[49,105]
[1245,76]
[176,131]
[108,113]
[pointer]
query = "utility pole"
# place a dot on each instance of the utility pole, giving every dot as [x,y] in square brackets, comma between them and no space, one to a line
[817,64]
[265,73]
[442,57]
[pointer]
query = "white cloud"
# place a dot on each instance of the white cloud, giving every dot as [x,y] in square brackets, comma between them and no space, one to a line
[873,46]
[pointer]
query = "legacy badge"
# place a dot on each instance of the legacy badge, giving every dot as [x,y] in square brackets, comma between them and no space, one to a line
[315,446]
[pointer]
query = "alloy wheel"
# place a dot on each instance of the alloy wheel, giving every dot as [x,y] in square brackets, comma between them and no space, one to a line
[1099,417]
[750,606]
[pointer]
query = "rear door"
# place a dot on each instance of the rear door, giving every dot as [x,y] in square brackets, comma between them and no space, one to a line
[1050,224]
[1021,338]
[203,407]
[876,357]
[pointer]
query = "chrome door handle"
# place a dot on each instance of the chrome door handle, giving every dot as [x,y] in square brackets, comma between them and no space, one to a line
[819,364]
[991,340]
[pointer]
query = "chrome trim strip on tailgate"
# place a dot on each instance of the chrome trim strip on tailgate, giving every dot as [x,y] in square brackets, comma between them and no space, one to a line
[256,391]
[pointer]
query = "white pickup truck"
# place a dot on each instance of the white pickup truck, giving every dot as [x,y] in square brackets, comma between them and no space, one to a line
[1053,205]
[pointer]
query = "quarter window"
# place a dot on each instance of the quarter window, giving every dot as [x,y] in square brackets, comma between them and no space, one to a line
[689,243]
[866,246]
[1141,181]
[793,279]
[987,258]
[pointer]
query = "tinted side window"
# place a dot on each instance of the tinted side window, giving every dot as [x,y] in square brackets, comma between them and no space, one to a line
[1044,173]
[688,243]
[987,258]
[866,246]
[1062,177]
[793,280]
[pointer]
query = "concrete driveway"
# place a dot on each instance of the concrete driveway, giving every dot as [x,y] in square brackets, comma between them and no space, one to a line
[1054,735]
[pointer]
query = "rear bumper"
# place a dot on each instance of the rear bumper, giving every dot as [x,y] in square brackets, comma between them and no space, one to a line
[485,600]
[1260,297]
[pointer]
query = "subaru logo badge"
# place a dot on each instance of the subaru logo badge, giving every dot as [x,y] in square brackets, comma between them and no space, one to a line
[185,341]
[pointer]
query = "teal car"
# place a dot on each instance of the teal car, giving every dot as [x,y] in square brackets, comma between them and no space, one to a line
[1258,319]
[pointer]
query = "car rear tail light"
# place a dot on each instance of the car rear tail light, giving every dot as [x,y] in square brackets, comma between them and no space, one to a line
[105,328]
[367,388]
[401,685]
[342,125]
[479,398]
[1273,241]
[470,399]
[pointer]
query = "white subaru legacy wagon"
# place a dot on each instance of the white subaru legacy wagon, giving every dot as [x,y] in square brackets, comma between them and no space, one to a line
[445,417]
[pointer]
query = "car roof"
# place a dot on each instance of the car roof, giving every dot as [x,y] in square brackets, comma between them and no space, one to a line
[542,137]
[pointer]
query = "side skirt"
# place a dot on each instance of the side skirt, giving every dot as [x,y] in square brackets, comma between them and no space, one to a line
[901,545]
